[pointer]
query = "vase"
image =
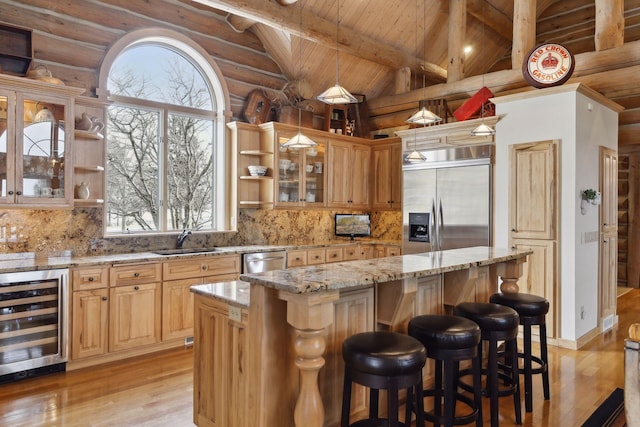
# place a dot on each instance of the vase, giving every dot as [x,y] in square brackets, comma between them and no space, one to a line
[83,191]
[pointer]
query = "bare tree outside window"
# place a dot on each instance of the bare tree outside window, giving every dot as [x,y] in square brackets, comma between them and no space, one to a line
[160,163]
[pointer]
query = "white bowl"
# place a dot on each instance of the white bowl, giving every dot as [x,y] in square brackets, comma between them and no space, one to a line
[257,170]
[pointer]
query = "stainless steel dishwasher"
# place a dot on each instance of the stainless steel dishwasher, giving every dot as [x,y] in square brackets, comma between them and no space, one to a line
[259,262]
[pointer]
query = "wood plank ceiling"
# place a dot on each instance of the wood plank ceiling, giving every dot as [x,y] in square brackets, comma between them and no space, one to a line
[256,43]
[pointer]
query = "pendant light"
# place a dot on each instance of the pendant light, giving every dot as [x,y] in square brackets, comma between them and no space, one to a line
[483,129]
[300,140]
[415,156]
[337,94]
[423,116]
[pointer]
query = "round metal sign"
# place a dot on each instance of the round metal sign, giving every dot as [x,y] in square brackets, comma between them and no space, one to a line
[549,64]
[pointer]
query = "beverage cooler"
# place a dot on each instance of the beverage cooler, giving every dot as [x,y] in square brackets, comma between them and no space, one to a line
[33,323]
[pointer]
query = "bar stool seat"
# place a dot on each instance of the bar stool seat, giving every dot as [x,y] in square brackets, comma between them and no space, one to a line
[532,310]
[449,340]
[383,361]
[497,323]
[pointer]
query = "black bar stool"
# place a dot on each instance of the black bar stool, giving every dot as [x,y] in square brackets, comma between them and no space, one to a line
[449,340]
[532,310]
[383,361]
[497,323]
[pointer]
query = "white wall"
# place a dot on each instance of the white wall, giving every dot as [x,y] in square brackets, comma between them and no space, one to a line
[581,124]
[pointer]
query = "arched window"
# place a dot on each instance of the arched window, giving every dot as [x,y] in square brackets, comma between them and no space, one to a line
[166,157]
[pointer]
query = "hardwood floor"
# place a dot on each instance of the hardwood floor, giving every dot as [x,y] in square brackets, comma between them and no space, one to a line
[156,391]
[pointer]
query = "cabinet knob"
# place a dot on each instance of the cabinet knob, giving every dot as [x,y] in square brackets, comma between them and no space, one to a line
[10,192]
[136,274]
[136,288]
[90,279]
[204,268]
[104,298]
[513,229]
[19,193]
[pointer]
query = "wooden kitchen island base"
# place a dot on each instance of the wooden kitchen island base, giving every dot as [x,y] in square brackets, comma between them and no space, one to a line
[268,352]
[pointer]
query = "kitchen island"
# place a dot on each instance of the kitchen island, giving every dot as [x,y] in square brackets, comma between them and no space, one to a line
[276,360]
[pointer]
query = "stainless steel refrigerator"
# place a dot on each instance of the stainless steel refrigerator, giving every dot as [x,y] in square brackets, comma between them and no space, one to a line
[446,200]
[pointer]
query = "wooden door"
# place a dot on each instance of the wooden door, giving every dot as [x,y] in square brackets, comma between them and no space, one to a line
[90,311]
[532,191]
[380,177]
[609,190]
[607,283]
[533,220]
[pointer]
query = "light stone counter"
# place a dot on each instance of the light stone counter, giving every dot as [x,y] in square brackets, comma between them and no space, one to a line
[235,292]
[354,274]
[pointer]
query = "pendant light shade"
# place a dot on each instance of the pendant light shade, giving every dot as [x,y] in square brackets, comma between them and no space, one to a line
[415,157]
[483,130]
[337,94]
[300,141]
[423,117]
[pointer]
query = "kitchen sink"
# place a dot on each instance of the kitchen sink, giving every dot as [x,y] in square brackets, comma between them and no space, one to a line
[183,251]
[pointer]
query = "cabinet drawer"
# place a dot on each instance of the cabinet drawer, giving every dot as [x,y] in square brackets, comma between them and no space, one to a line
[221,265]
[350,253]
[201,267]
[392,251]
[296,258]
[315,256]
[133,274]
[334,255]
[89,278]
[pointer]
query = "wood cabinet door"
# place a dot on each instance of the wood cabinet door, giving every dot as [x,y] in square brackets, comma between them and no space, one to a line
[134,316]
[177,308]
[386,177]
[359,174]
[90,310]
[220,388]
[533,190]
[340,174]
[296,258]
[539,276]
[353,313]
[380,177]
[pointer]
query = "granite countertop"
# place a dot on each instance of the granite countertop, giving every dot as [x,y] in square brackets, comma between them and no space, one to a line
[354,274]
[235,292]
[28,261]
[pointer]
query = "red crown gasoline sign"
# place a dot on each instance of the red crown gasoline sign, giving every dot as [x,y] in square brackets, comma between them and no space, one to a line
[549,64]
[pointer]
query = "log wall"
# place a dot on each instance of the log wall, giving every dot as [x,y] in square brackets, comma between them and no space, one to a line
[72,37]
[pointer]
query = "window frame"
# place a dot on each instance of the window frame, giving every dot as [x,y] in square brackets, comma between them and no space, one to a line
[224,169]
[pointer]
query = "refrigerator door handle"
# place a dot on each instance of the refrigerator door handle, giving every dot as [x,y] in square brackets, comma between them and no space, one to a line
[434,226]
[440,224]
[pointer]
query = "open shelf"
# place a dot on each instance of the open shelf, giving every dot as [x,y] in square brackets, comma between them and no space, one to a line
[87,202]
[254,202]
[257,178]
[87,134]
[256,152]
[89,168]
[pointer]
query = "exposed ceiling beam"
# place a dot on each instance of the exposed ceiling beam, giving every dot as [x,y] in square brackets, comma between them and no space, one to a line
[323,32]
[492,17]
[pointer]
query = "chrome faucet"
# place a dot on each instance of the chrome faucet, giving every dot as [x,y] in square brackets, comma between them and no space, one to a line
[182,237]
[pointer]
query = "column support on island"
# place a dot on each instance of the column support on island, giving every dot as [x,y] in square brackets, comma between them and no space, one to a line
[309,314]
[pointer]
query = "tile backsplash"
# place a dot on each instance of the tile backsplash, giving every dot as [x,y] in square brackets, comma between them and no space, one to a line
[48,232]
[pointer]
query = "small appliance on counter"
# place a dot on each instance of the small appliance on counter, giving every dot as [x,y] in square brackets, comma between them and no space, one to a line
[352,225]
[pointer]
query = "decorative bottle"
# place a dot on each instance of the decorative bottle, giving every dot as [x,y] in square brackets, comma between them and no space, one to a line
[83,190]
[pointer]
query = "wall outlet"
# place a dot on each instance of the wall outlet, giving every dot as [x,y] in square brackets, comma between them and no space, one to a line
[582,312]
[235,313]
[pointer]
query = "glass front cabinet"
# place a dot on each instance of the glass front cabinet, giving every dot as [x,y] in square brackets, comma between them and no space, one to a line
[301,177]
[36,133]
